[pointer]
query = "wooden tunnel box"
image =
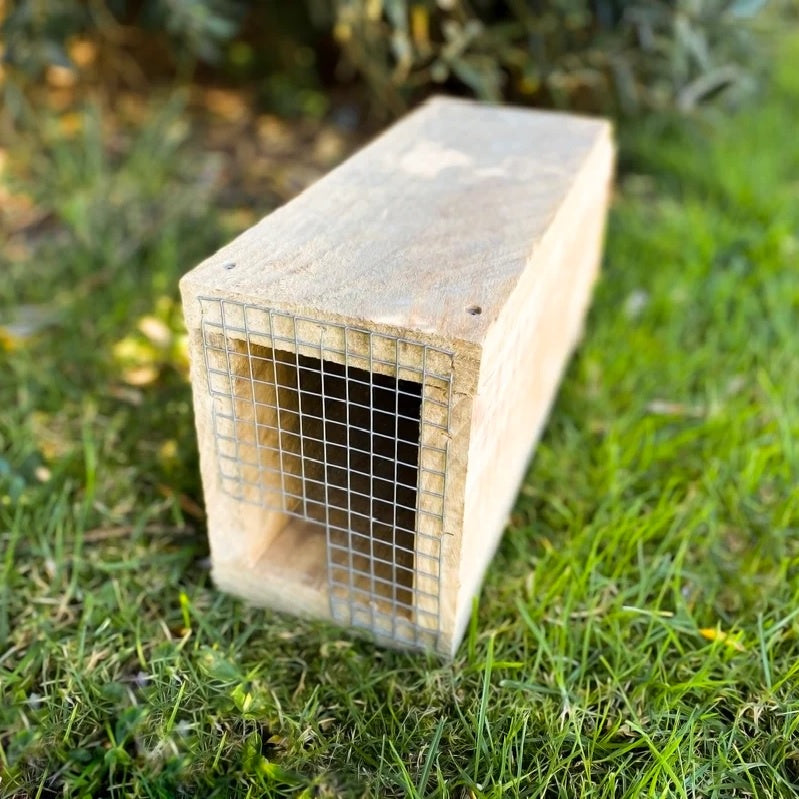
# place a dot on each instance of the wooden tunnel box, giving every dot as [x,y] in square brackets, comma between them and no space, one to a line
[373,362]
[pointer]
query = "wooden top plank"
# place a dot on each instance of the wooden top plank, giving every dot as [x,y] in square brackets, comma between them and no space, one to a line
[440,214]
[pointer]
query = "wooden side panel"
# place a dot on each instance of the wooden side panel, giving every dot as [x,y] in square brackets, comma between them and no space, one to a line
[523,360]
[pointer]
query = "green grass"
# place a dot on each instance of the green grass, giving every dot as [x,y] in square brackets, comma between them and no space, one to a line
[637,634]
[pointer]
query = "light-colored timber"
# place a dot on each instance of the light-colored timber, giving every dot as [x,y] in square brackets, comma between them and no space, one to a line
[373,363]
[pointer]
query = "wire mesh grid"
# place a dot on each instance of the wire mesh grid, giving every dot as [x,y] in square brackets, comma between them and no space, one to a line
[348,429]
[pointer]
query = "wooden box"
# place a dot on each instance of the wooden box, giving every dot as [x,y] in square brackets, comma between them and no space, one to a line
[373,362]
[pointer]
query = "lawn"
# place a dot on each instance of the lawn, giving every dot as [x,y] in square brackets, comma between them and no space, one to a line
[638,632]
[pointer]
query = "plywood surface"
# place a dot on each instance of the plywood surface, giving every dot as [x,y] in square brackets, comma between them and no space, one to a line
[437,218]
[524,357]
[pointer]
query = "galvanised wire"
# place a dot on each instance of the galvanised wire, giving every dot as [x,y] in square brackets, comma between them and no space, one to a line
[327,433]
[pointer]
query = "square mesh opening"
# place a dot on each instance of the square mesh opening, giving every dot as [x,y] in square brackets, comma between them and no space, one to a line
[348,447]
[339,435]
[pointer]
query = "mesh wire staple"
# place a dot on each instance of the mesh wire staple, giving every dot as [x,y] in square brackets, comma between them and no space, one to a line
[346,428]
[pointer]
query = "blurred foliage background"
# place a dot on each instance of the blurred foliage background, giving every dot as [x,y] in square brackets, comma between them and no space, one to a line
[611,56]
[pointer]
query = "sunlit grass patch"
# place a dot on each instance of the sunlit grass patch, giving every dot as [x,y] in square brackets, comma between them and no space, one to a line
[638,632]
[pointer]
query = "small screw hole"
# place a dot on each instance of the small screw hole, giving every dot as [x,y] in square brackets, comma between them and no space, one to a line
[229,265]
[474,310]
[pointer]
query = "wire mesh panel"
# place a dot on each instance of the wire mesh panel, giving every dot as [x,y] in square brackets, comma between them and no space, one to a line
[345,428]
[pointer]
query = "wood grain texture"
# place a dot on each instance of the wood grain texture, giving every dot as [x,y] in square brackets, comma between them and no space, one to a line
[471,228]
[439,214]
[524,356]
